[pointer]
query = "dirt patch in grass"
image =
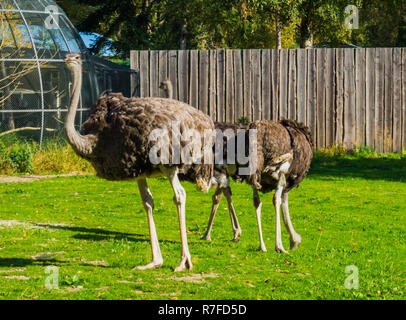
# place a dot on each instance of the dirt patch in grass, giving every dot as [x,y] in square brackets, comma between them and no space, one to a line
[17,277]
[194,277]
[12,270]
[30,225]
[11,223]
[46,256]
[14,179]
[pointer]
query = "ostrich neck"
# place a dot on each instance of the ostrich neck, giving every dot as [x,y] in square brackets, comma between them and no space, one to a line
[170,90]
[83,145]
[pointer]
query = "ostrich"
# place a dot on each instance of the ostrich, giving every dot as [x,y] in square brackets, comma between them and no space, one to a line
[284,155]
[220,181]
[116,140]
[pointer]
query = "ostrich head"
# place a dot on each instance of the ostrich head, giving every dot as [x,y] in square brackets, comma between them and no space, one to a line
[166,86]
[73,61]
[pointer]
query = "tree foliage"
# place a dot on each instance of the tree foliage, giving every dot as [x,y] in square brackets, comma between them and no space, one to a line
[207,24]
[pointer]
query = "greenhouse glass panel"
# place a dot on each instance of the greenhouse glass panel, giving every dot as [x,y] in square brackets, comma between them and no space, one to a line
[47,47]
[15,41]
[29,5]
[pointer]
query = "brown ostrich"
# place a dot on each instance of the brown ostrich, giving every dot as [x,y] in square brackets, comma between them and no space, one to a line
[221,180]
[284,154]
[116,140]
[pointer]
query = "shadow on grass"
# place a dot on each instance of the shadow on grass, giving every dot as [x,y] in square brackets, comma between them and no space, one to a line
[389,169]
[23,262]
[96,234]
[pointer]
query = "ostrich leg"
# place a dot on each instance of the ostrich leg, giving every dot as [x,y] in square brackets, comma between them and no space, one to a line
[233,215]
[148,203]
[258,206]
[180,200]
[216,201]
[234,221]
[295,238]
[277,200]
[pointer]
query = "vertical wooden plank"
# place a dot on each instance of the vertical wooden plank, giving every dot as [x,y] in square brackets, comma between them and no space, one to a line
[404,98]
[213,85]
[154,71]
[134,65]
[247,84]
[283,83]
[275,84]
[311,94]
[183,75]
[144,74]
[349,98]
[292,85]
[220,85]
[397,102]
[204,81]
[370,98]
[194,77]
[163,70]
[330,96]
[238,85]
[173,71]
[266,84]
[321,97]
[387,131]
[256,84]
[340,96]
[379,98]
[230,98]
[360,97]
[301,85]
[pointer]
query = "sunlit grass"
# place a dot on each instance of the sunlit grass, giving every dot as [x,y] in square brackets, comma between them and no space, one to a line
[348,211]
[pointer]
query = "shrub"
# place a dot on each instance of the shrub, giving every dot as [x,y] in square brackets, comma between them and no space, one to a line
[20,158]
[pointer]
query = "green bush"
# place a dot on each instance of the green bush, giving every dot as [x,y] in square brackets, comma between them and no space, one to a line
[20,158]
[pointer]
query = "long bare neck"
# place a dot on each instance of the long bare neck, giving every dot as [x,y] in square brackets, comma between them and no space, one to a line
[83,145]
[170,90]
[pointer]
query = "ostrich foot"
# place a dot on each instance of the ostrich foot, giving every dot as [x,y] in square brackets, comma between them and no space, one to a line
[279,248]
[206,237]
[237,235]
[185,263]
[262,248]
[295,241]
[152,265]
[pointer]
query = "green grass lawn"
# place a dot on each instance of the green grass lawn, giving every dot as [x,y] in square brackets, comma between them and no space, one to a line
[348,211]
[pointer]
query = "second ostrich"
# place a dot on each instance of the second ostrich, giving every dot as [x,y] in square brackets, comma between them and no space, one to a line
[284,154]
[116,140]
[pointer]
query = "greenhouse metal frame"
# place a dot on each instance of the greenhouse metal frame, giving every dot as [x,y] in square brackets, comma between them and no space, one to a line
[36,36]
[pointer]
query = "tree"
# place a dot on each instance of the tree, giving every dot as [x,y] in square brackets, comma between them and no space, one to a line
[208,24]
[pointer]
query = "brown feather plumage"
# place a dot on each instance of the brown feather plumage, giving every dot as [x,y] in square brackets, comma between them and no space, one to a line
[124,126]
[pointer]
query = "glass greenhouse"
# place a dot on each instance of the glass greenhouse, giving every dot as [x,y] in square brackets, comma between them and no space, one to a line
[35,36]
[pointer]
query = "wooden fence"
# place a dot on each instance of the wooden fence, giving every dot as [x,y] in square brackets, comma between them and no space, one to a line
[346,96]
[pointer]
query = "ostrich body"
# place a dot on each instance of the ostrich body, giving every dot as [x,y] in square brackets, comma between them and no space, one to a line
[284,153]
[116,140]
